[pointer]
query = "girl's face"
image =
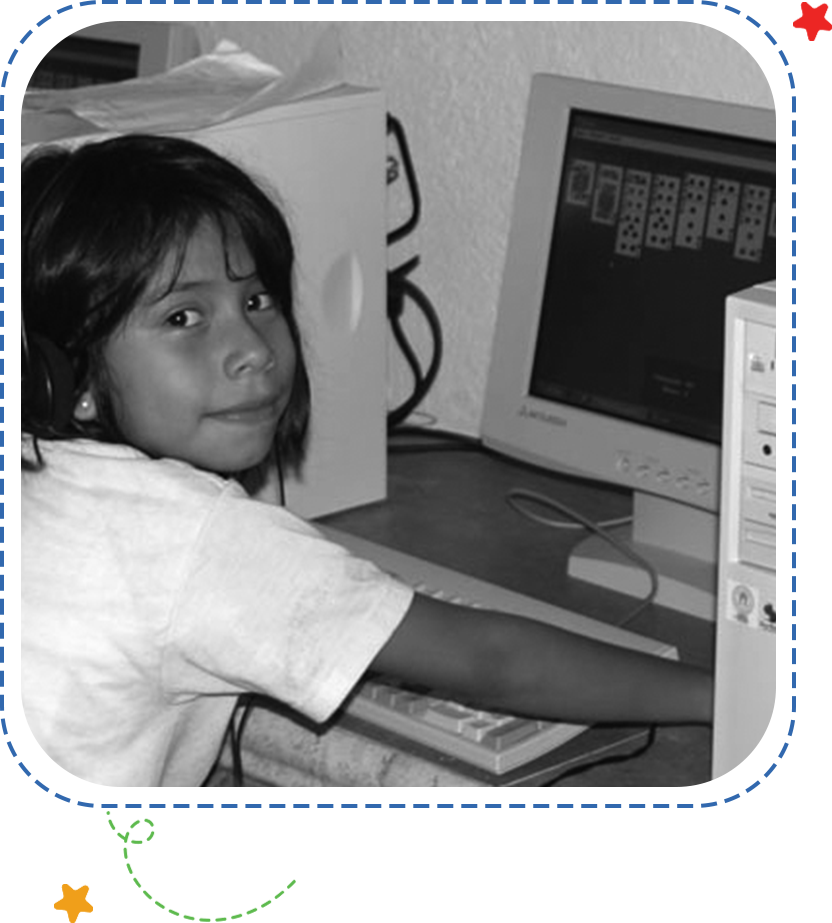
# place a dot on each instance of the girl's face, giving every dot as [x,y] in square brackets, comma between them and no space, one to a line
[204,373]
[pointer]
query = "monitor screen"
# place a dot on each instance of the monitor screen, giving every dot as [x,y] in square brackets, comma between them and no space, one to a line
[643,206]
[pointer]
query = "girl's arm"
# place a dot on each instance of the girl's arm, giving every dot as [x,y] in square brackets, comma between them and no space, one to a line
[502,662]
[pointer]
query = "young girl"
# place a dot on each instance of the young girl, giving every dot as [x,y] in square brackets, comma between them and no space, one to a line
[162,370]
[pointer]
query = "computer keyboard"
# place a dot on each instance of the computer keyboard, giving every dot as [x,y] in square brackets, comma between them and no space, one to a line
[497,743]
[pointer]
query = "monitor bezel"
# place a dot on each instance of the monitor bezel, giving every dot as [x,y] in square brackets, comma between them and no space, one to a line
[556,435]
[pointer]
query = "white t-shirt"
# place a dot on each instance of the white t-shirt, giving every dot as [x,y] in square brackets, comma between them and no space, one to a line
[153,593]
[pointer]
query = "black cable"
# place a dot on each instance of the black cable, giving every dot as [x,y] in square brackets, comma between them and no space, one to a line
[598,528]
[281,481]
[394,127]
[399,289]
[608,760]
[406,349]
[246,703]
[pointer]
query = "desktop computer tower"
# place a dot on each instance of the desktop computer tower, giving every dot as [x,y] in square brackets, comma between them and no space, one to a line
[324,159]
[746,604]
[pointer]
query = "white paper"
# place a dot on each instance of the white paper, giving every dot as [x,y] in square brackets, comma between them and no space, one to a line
[210,89]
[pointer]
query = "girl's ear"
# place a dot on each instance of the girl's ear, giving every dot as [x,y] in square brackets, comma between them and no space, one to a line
[86,409]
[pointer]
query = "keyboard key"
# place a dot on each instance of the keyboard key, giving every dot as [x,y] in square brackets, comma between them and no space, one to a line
[476,729]
[449,716]
[511,733]
[408,703]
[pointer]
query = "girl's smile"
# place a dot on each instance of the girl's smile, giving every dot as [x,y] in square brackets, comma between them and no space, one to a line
[251,412]
[202,370]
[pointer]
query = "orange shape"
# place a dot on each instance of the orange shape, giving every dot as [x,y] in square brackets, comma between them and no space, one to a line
[100,904]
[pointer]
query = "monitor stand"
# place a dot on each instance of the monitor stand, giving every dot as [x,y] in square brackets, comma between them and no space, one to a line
[680,541]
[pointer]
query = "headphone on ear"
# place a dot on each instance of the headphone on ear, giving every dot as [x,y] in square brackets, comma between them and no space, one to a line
[47,386]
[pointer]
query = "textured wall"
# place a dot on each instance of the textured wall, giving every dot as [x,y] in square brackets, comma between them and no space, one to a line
[460,89]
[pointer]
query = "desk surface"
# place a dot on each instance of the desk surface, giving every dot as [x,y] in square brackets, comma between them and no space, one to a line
[450,507]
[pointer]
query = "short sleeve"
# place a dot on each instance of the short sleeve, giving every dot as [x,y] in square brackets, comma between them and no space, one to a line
[269,605]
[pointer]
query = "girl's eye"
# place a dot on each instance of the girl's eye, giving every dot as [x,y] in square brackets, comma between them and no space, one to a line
[262,301]
[184,317]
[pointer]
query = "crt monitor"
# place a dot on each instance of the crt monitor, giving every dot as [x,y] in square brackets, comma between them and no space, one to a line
[636,213]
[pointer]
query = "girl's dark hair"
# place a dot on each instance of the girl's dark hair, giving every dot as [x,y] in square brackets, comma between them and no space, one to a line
[98,223]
